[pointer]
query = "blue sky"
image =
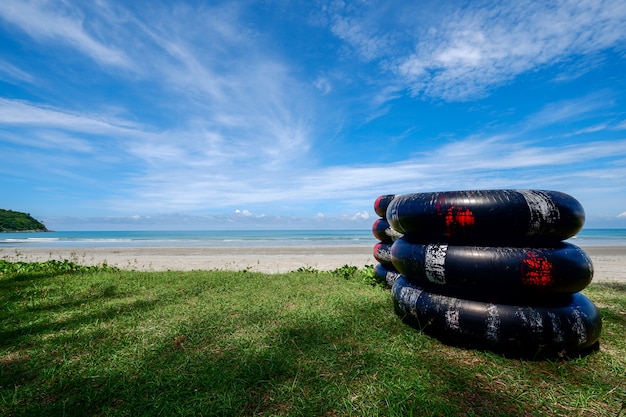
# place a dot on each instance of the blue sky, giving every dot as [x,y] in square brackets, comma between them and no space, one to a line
[298,114]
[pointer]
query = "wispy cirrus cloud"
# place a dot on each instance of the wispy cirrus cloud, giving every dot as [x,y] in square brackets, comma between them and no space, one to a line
[466,164]
[44,20]
[231,103]
[486,45]
[236,96]
[22,113]
[458,52]
[11,72]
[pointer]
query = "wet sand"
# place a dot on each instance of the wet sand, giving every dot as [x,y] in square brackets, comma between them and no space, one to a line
[609,261]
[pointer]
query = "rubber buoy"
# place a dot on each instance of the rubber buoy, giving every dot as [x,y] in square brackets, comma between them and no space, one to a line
[570,326]
[487,216]
[381,204]
[562,268]
[382,253]
[383,231]
[386,274]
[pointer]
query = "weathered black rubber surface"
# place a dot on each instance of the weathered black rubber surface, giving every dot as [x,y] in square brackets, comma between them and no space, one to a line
[386,274]
[562,268]
[382,253]
[381,204]
[486,217]
[570,325]
[383,231]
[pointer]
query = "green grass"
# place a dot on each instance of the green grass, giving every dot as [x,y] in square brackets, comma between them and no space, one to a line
[99,341]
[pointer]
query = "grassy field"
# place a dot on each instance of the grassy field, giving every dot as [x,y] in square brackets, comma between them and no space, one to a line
[98,341]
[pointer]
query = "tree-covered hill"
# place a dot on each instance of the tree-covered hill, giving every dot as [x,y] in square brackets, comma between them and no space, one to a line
[15,221]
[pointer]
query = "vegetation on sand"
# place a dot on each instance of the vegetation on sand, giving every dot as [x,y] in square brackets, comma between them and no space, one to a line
[101,341]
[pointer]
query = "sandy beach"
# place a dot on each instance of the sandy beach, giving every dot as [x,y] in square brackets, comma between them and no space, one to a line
[609,261]
[266,259]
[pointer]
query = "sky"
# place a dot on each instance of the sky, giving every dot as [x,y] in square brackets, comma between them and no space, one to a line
[299,114]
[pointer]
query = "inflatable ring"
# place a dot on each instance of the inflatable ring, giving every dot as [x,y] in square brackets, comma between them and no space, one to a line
[383,232]
[382,253]
[381,203]
[563,268]
[386,274]
[486,217]
[569,326]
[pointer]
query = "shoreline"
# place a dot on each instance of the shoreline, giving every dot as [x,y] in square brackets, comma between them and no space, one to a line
[609,261]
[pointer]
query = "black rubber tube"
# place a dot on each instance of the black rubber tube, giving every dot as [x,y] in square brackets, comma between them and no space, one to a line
[562,268]
[568,326]
[383,231]
[381,204]
[382,253]
[386,274]
[486,217]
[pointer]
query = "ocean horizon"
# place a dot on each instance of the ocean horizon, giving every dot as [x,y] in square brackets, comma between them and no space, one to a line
[220,238]
[186,238]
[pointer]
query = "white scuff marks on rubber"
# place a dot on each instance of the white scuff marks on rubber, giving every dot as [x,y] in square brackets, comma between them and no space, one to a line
[441,303]
[409,297]
[451,311]
[559,334]
[543,212]
[392,233]
[390,278]
[531,318]
[384,252]
[434,263]
[492,331]
[401,296]
[452,318]
[578,326]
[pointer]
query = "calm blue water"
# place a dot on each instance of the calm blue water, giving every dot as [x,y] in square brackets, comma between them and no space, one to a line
[187,238]
[587,237]
[600,237]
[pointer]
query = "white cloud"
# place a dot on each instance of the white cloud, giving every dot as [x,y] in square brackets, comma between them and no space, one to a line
[621,125]
[14,112]
[42,20]
[13,72]
[363,215]
[323,85]
[241,119]
[467,164]
[623,214]
[241,99]
[461,52]
[569,110]
[483,46]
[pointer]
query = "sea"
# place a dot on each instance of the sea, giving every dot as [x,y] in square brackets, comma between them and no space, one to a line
[195,238]
[187,238]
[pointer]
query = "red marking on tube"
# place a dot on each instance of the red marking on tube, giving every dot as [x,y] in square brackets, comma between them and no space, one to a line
[381,204]
[377,249]
[377,230]
[457,219]
[537,271]
[377,203]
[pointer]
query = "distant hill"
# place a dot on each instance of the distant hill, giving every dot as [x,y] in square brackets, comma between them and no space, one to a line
[14,221]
